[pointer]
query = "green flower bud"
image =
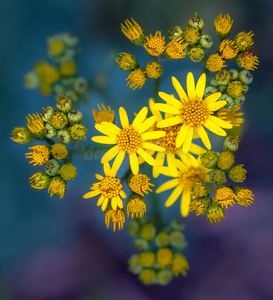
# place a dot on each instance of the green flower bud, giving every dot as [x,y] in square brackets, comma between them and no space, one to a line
[226,160]
[222,77]
[70,40]
[148,231]
[75,116]
[214,83]
[199,189]
[199,205]
[64,136]
[78,132]
[175,32]
[72,95]
[210,90]
[206,41]
[22,135]
[233,74]
[246,88]
[164,277]
[231,143]
[141,244]
[222,88]
[40,180]
[52,167]
[59,120]
[177,239]
[230,101]
[217,176]
[47,113]
[127,61]
[162,239]
[64,104]
[177,225]
[215,212]
[147,259]
[197,22]
[134,264]
[147,276]
[58,89]
[209,159]
[237,173]
[196,54]
[133,227]
[32,80]
[50,131]
[80,85]
[246,77]
[240,100]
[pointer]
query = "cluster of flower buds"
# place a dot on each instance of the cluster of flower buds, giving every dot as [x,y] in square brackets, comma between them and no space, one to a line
[223,195]
[60,77]
[160,257]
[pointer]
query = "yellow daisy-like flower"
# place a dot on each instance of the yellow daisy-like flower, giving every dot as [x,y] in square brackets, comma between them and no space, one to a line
[40,154]
[153,69]
[175,50]
[235,89]
[140,184]
[103,115]
[190,170]
[227,49]
[223,25]
[35,123]
[231,115]
[132,139]
[136,79]
[116,216]
[215,63]
[109,187]
[224,196]
[192,112]
[248,60]
[155,45]
[244,40]
[191,35]
[133,32]
[244,196]
[136,205]
[57,187]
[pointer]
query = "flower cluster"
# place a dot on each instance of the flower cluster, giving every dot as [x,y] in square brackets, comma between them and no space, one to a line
[60,77]
[160,257]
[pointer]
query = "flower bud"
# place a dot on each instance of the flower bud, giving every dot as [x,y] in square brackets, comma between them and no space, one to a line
[39,180]
[222,77]
[127,61]
[78,132]
[177,225]
[230,101]
[209,159]
[214,83]
[141,244]
[58,90]
[147,276]
[175,32]
[226,160]
[75,116]
[32,80]
[134,264]
[163,277]
[80,85]
[231,143]
[47,113]
[64,136]
[133,227]
[72,95]
[233,74]
[59,120]
[246,77]
[148,231]
[147,259]
[177,239]
[70,40]
[22,135]
[162,239]
[206,41]
[199,205]
[222,88]
[240,100]
[217,176]
[196,54]
[52,167]
[50,131]
[199,189]
[237,173]
[197,22]
[210,90]
[215,212]
[64,104]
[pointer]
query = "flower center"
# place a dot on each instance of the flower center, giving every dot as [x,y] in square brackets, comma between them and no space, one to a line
[155,45]
[215,63]
[110,187]
[194,113]
[40,154]
[129,140]
[168,141]
[224,196]
[115,216]
[235,89]
[140,183]
[57,187]
[59,151]
[191,35]
[189,178]
[136,206]
[136,79]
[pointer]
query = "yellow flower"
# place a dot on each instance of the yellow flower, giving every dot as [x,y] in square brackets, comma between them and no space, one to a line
[226,160]
[35,123]
[215,63]
[21,135]
[191,35]
[136,205]
[223,25]
[175,50]
[235,89]
[103,115]
[59,151]
[47,73]
[248,60]
[59,120]
[132,139]
[68,68]
[40,154]
[45,89]
[224,196]
[68,172]
[136,79]
[199,205]
[190,170]
[127,61]
[227,49]
[133,32]
[179,265]
[155,45]
[147,259]
[39,180]
[192,112]
[140,184]
[244,196]
[215,212]
[231,115]
[147,276]
[153,69]
[55,47]
[244,40]
[57,187]
[116,216]
[164,257]
[109,187]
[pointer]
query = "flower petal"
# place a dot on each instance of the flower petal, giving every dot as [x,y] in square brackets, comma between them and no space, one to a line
[154,110]
[196,149]
[212,98]
[220,122]
[204,137]
[217,105]
[118,161]
[140,117]
[167,108]
[150,146]
[188,140]
[159,161]
[180,91]
[114,203]
[123,117]
[169,122]
[122,194]
[167,185]
[214,128]
[200,86]
[152,135]
[147,157]
[106,169]
[104,204]
[174,195]
[146,124]
[104,140]
[111,127]
[171,164]
[119,202]
[110,154]
[104,130]
[185,203]
[181,135]
[91,194]
[100,200]
[134,163]
[191,86]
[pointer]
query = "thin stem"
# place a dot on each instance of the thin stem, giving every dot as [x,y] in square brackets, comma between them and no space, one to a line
[156,89]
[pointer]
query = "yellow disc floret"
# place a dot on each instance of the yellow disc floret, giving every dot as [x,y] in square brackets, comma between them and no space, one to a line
[155,45]
[191,35]
[153,69]
[227,49]
[136,79]
[140,184]
[59,151]
[129,140]
[223,25]
[35,123]
[235,89]
[116,217]
[175,49]
[110,187]
[164,257]
[224,196]
[215,63]
[226,160]
[40,154]
[136,205]
[103,115]
[68,172]
[57,187]
[244,196]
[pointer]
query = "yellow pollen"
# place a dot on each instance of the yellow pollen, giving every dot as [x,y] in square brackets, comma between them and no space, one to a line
[110,187]
[223,24]
[132,30]
[140,184]
[248,61]
[155,45]
[57,187]
[244,197]
[215,63]
[35,123]
[227,49]
[175,49]
[136,79]
[58,120]
[231,116]
[103,115]
[224,196]
[129,140]
[153,69]
[194,113]
[191,35]
[169,140]
[40,154]
[136,206]
[235,89]
[116,217]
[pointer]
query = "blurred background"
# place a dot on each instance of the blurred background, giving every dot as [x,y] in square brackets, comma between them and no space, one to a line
[54,249]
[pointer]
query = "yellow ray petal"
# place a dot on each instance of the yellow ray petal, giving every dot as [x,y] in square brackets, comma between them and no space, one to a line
[180,91]
[190,161]
[104,130]
[196,149]
[147,157]
[118,161]
[154,111]
[185,203]
[104,204]
[169,122]
[168,185]
[217,105]
[146,124]
[191,86]
[171,164]
[119,202]
[150,146]
[152,135]
[212,98]
[114,203]
[111,127]
[122,194]
[204,137]
[91,194]
[188,140]
[123,117]
[99,177]
[140,117]
[110,154]
[220,122]
[106,169]
[167,108]
[174,195]
[100,200]
[181,135]
[165,171]
[159,161]
[104,140]
[214,128]
[200,86]
[134,163]
[180,165]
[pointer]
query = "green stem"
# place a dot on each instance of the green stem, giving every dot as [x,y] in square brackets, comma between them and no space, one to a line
[156,89]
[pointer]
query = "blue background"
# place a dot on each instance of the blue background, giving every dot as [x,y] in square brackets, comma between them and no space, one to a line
[55,249]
